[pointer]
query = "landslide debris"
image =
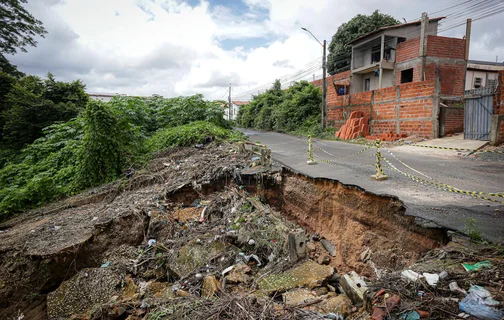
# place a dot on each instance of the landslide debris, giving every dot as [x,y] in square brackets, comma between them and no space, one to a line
[203,233]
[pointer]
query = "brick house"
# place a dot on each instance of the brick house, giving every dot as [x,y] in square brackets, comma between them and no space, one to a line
[408,52]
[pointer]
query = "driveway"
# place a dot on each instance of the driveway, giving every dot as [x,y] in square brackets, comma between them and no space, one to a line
[447,209]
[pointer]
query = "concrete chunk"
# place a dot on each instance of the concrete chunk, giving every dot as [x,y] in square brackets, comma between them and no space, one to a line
[354,287]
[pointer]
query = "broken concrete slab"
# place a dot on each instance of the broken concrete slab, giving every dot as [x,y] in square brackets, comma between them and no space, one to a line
[195,254]
[354,287]
[297,246]
[340,304]
[298,297]
[299,276]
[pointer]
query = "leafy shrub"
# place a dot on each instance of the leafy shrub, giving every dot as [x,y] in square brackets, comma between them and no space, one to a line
[296,110]
[190,134]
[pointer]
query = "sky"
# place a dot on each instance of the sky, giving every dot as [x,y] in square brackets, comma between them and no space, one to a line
[176,47]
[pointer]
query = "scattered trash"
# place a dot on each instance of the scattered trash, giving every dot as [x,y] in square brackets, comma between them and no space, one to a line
[151,242]
[198,276]
[411,275]
[57,228]
[202,217]
[199,146]
[431,278]
[443,275]
[476,266]
[411,315]
[251,242]
[227,270]
[455,288]
[479,303]
[94,219]
[105,265]
[246,258]
[333,316]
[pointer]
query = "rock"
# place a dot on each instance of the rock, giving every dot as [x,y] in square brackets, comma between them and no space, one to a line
[310,246]
[86,289]
[331,248]
[320,291]
[297,246]
[315,283]
[299,276]
[324,259]
[354,287]
[182,293]
[195,254]
[297,297]
[239,274]
[340,304]
[210,287]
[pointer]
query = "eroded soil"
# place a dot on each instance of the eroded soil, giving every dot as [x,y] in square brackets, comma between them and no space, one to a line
[203,234]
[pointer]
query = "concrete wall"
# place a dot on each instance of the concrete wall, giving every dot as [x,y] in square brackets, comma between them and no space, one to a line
[410,108]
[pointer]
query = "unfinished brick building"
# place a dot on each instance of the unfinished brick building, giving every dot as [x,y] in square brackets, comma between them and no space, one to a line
[398,77]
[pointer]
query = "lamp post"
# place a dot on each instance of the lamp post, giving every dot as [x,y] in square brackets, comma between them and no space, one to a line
[324,84]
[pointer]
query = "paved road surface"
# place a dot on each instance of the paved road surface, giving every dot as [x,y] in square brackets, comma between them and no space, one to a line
[447,209]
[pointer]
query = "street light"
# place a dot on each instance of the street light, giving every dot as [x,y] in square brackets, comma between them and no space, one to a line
[324,84]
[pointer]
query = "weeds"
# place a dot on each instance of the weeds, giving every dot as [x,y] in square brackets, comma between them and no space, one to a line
[472,230]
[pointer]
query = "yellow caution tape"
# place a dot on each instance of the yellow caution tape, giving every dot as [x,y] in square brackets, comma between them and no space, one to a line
[445,187]
[459,149]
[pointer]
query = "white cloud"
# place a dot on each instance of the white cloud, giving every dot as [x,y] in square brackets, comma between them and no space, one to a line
[168,47]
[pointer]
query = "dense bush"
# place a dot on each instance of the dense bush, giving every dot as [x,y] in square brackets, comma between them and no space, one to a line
[99,143]
[296,110]
[30,104]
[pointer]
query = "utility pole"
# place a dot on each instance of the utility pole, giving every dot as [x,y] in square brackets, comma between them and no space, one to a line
[324,87]
[324,84]
[468,38]
[229,103]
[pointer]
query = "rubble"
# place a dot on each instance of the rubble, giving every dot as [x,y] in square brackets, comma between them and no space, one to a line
[189,239]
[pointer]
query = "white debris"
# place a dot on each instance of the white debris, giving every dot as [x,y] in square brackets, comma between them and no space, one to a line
[411,275]
[431,278]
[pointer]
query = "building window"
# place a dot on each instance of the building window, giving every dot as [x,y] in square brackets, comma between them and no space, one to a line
[477,82]
[407,75]
[367,84]
[375,54]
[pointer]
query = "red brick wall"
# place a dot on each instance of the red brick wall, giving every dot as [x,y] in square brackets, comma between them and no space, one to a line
[443,47]
[340,78]
[415,101]
[499,97]
[454,120]
[407,50]
[500,138]
[451,77]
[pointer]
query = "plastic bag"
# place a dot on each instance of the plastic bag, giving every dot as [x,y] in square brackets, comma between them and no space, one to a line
[479,303]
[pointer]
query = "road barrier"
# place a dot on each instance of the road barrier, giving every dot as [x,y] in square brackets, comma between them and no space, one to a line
[459,149]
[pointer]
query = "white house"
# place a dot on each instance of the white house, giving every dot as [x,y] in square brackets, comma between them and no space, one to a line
[235,107]
[482,73]
[105,97]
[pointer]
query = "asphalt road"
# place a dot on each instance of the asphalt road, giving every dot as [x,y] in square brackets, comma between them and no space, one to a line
[446,209]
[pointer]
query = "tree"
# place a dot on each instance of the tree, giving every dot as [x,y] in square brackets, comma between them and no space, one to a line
[32,104]
[340,52]
[18,28]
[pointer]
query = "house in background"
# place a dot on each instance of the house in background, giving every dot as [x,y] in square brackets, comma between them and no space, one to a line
[105,97]
[408,52]
[481,74]
[230,114]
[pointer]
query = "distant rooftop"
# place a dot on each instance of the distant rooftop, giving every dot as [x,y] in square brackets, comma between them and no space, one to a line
[487,63]
[240,103]
[103,94]
[395,26]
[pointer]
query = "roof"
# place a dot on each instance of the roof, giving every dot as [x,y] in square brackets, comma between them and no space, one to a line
[487,63]
[395,26]
[240,103]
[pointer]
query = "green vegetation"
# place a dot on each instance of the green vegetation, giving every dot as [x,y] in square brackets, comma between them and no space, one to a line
[472,230]
[98,143]
[338,59]
[296,110]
